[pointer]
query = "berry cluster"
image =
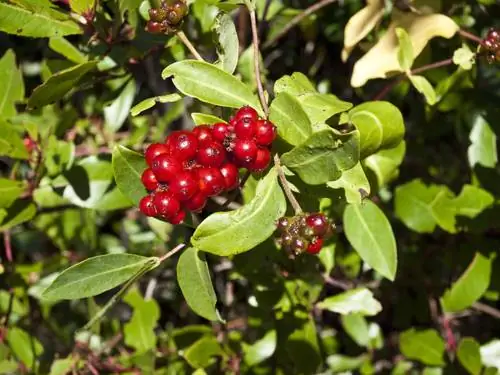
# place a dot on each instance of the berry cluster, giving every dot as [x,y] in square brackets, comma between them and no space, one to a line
[192,166]
[491,46]
[304,233]
[167,19]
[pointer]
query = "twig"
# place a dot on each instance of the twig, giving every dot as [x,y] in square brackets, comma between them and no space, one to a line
[286,187]
[256,61]
[184,39]
[487,309]
[172,252]
[336,283]
[467,35]
[7,245]
[296,20]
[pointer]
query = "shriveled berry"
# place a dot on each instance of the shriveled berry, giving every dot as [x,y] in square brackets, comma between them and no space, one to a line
[184,186]
[245,128]
[246,112]
[210,181]
[282,224]
[166,204]
[315,246]
[265,132]
[319,223]
[147,207]
[157,14]
[212,155]
[261,161]
[231,176]
[286,240]
[149,180]
[203,134]
[153,151]
[220,131]
[245,150]
[298,245]
[183,145]
[197,202]
[166,168]
[179,218]
[154,27]
[176,13]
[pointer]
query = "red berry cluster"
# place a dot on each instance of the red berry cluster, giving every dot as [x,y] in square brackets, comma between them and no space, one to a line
[304,233]
[491,45]
[167,19]
[192,166]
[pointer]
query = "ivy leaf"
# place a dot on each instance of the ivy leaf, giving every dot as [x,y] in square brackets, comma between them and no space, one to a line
[425,346]
[10,190]
[96,275]
[59,84]
[385,163]
[260,350]
[234,232]
[380,126]
[150,102]
[117,111]
[469,356]
[370,234]
[355,301]
[464,57]
[227,44]
[291,120]
[469,287]
[323,156]
[12,85]
[11,144]
[128,166]
[38,21]
[67,49]
[194,280]
[423,86]
[210,84]
[483,148]
[205,119]
[405,50]
[353,181]
[472,201]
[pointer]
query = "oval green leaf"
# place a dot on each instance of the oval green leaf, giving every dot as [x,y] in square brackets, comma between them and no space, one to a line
[128,166]
[469,355]
[355,301]
[227,44]
[425,346]
[150,102]
[118,110]
[234,232]
[12,85]
[370,234]
[203,118]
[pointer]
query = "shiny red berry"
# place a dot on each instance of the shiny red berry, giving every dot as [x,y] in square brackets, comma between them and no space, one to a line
[166,168]
[245,150]
[231,176]
[265,132]
[212,155]
[184,186]
[315,246]
[182,145]
[245,128]
[319,223]
[246,112]
[210,181]
[147,207]
[154,27]
[166,204]
[220,131]
[261,161]
[203,134]
[149,180]
[153,151]
[197,202]
[179,218]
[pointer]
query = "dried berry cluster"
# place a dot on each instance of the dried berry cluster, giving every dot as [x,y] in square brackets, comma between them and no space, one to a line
[491,46]
[304,232]
[167,19]
[192,166]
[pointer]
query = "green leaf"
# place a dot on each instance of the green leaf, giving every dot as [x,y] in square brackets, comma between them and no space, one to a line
[355,301]
[296,84]
[425,346]
[483,148]
[356,327]
[24,346]
[323,156]
[59,155]
[423,86]
[354,182]
[341,363]
[17,213]
[464,57]
[201,353]
[67,49]
[422,207]
[385,163]
[291,120]
[59,84]
[320,107]
[38,21]
[62,366]
[139,331]
[203,119]
[234,232]
[210,84]
[405,50]
[472,201]
[227,44]
[260,350]
[81,6]
[370,234]
[150,103]
[128,166]
[470,286]
[469,356]
[193,277]
[11,144]
[12,84]
[96,275]
[10,190]
[117,112]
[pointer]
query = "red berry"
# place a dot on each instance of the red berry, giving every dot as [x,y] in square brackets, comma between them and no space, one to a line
[147,207]
[29,144]
[179,218]
[220,131]
[265,133]
[245,150]
[184,186]
[210,181]
[149,180]
[319,223]
[212,155]
[153,151]
[182,145]
[203,134]
[231,176]
[261,161]
[245,128]
[154,27]
[246,112]
[166,167]
[315,246]
[196,203]
[166,204]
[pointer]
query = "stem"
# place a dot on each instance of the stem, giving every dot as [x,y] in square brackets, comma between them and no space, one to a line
[256,61]
[286,187]
[8,246]
[487,309]
[296,20]
[467,35]
[172,252]
[184,39]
